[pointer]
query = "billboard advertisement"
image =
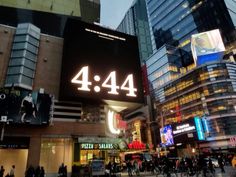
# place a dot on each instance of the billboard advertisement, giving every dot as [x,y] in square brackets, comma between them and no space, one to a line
[99,64]
[24,107]
[207,47]
[188,130]
[167,136]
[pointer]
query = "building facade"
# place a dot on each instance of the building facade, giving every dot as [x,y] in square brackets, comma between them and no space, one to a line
[135,22]
[63,128]
[173,24]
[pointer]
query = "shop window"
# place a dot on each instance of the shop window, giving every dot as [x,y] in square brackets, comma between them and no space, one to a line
[55,151]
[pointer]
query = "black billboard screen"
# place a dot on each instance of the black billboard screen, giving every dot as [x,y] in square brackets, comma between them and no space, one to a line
[184,131]
[24,107]
[99,64]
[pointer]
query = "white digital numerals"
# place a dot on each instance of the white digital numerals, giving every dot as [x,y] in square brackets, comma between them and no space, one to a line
[82,79]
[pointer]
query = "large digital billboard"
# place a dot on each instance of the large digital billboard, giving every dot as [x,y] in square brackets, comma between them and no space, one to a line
[99,64]
[24,107]
[207,46]
[188,130]
[167,136]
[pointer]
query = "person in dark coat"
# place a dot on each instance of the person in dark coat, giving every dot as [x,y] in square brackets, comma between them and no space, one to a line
[129,168]
[2,170]
[202,165]
[42,172]
[30,172]
[37,172]
[221,164]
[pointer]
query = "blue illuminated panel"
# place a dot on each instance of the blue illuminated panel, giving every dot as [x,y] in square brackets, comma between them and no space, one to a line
[202,59]
[199,127]
[205,125]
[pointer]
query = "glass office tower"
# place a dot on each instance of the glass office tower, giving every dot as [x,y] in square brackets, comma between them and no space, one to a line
[173,23]
[135,22]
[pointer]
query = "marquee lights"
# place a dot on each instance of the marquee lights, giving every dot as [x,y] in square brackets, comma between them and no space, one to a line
[110,118]
[110,82]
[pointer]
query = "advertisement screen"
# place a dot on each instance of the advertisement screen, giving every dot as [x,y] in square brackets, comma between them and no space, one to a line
[207,46]
[24,107]
[167,135]
[188,130]
[99,63]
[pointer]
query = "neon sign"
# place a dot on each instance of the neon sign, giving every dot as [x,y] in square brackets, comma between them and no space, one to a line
[199,128]
[110,121]
[136,145]
[96,146]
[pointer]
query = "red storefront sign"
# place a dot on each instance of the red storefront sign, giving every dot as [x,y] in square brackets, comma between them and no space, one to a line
[136,145]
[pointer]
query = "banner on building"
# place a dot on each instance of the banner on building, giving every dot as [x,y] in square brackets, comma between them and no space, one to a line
[207,47]
[25,107]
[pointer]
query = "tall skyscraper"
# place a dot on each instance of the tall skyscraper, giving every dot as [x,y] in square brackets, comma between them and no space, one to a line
[174,76]
[135,23]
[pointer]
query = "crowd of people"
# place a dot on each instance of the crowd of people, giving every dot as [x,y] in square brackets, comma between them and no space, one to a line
[35,172]
[10,174]
[165,165]
[62,171]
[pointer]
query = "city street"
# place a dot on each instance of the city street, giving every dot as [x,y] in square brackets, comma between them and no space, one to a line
[229,172]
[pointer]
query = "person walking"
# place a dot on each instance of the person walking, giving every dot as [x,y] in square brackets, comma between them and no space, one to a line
[221,164]
[2,170]
[12,171]
[30,172]
[62,171]
[210,166]
[42,172]
[136,168]
[129,168]
[37,171]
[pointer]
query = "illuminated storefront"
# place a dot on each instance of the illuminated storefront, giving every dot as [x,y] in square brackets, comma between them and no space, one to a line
[90,148]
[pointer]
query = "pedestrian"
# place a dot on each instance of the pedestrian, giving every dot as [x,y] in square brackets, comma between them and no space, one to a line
[30,172]
[65,171]
[109,167]
[144,165]
[136,168]
[42,172]
[129,168]
[12,171]
[202,165]
[61,170]
[221,164]
[2,170]
[210,165]
[37,172]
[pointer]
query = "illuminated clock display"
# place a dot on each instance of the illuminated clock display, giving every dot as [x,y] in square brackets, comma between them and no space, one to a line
[99,65]
[109,83]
